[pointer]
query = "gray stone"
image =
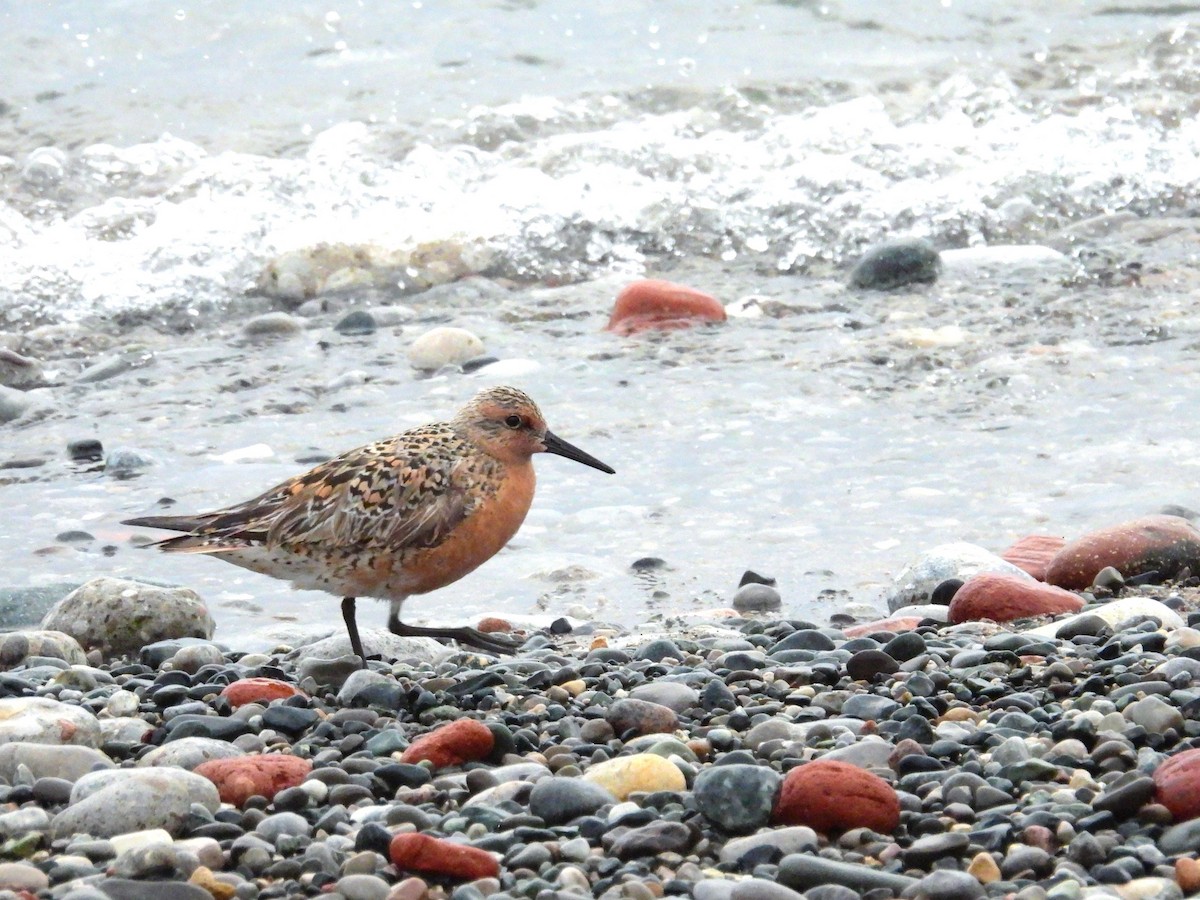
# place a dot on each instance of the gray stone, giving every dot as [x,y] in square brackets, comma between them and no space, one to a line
[869,707]
[132,889]
[119,617]
[1154,714]
[13,404]
[738,797]
[117,801]
[189,752]
[124,462]
[793,839]
[761,889]
[16,647]
[362,887]
[802,870]
[945,884]
[895,264]
[672,694]
[751,598]
[51,761]
[652,839]
[870,752]
[559,800]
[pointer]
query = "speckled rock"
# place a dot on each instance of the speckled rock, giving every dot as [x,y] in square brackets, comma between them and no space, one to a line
[40,720]
[16,646]
[120,617]
[121,800]
[641,717]
[640,772]
[835,796]
[1002,598]
[737,797]
[1164,544]
[452,744]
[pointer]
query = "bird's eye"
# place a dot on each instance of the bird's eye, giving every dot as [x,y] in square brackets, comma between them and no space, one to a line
[513,421]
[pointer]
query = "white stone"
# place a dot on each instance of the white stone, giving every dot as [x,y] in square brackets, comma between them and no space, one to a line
[189,752]
[444,346]
[136,840]
[1116,612]
[118,801]
[959,559]
[40,720]
[51,761]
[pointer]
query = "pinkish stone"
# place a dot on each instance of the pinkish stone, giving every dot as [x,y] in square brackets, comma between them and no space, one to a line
[1177,785]
[242,777]
[423,853]
[662,305]
[1005,597]
[1033,553]
[258,690]
[896,623]
[451,745]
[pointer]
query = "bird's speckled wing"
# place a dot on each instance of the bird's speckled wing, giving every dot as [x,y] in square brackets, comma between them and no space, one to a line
[399,493]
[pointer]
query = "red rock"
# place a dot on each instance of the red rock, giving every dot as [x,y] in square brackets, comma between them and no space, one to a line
[242,777]
[1177,785]
[897,623]
[1004,597]
[662,305]
[1033,553]
[422,853]
[451,745]
[258,690]
[494,625]
[1164,544]
[832,796]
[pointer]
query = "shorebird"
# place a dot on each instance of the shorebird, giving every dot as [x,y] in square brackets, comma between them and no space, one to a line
[405,515]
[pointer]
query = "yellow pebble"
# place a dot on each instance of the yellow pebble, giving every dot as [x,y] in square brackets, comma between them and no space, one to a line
[641,772]
[203,878]
[984,868]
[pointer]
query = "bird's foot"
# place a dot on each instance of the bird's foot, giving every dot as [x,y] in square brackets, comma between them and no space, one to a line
[491,643]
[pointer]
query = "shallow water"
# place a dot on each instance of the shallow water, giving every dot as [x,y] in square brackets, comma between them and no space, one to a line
[751,150]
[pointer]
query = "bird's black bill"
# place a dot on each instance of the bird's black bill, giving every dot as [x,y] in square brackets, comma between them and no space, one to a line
[559,447]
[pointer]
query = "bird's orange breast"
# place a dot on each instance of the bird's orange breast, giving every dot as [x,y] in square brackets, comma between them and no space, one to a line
[476,539]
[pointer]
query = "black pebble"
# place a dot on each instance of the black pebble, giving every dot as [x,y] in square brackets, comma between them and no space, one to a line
[944,592]
[85,450]
[896,264]
[357,321]
[752,577]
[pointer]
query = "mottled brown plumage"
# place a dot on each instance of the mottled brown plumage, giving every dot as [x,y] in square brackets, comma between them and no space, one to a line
[402,516]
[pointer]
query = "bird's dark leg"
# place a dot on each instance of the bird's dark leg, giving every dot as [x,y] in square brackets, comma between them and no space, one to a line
[463,635]
[352,628]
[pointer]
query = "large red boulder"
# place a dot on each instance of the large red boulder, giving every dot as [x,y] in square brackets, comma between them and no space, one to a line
[831,796]
[1003,597]
[662,305]
[242,777]
[1163,544]
[451,745]
[1033,553]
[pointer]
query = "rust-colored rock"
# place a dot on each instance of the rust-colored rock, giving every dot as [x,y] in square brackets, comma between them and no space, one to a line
[1177,785]
[662,305]
[1187,875]
[494,625]
[896,623]
[1163,544]
[641,717]
[832,797]
[258,690]
[451,745]
[422,853]
[242,777]
[1004,597]
[1033,553]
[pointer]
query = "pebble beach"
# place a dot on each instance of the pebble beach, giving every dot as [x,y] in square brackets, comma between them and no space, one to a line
[750,757]
[887,327]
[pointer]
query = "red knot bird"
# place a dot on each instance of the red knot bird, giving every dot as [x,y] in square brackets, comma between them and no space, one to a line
[402,516]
